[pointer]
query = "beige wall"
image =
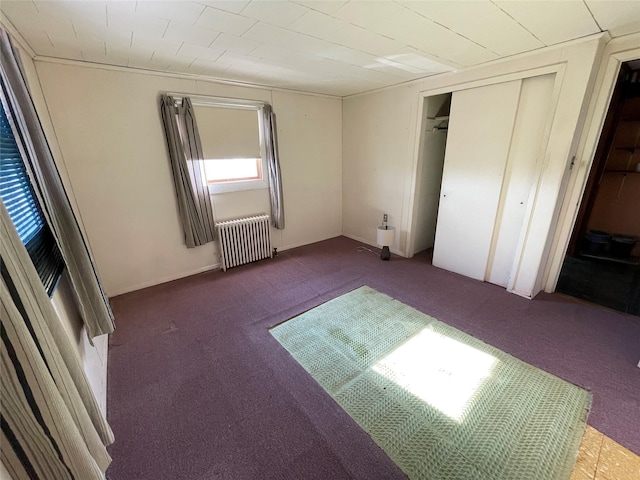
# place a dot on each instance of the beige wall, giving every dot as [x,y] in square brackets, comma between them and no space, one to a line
[381,145]
[107,122]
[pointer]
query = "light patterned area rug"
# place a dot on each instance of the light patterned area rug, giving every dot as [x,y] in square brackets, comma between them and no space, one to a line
[442,404]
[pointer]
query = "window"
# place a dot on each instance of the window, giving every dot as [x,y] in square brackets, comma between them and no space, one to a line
[21,203]
[232,143]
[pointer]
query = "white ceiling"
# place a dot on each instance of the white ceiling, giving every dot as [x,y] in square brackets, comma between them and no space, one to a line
[331,47]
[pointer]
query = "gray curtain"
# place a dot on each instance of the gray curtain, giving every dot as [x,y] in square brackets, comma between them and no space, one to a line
[92,303]
[52,426]
[273,165]
[187,166]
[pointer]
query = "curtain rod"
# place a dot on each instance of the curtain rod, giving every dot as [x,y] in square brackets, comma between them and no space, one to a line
[222,102]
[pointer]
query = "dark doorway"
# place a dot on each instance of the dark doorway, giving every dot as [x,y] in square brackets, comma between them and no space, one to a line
[603,259]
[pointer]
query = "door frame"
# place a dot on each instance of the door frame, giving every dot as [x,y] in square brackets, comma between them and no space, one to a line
[617,51]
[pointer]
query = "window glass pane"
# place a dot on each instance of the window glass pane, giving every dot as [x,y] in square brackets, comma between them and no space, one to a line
[233,169]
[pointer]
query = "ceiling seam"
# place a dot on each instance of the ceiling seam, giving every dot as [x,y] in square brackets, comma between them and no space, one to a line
[513,18]
[592,15]
[452,31]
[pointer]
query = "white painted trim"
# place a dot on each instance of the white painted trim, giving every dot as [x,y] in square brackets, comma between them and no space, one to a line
[616,52]
[184,76]
[218,102]
[289,246]
[484,81]
[170,278]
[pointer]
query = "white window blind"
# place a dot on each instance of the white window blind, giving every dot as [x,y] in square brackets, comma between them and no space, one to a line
[228,132]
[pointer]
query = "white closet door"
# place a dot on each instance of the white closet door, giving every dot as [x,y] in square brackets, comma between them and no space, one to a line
[521,174]
[480,127]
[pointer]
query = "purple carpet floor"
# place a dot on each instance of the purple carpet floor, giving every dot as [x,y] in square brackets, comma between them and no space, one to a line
[198,389]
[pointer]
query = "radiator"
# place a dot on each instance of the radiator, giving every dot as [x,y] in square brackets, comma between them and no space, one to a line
[244,240]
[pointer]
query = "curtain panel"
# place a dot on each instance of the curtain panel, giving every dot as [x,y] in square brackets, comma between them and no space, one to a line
[187,167]
[91,300]
[273,165]
[52,426]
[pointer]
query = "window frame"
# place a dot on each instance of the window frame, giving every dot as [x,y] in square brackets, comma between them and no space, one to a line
[238,104]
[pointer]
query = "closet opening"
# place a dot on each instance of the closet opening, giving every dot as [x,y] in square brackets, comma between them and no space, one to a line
[433,140]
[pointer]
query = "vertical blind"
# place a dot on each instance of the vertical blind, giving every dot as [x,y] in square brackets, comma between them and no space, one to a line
[19,199]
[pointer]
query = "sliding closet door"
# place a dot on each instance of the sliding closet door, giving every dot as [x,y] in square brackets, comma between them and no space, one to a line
[480,127]
[527,149]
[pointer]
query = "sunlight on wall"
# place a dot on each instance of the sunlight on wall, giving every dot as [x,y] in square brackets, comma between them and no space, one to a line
[439,370]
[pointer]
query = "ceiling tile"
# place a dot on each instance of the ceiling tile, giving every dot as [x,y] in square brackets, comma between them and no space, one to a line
[311,45]
[481,22]
[451,14]
[197,51]
[205,67]
[318,25]
[420,61]
[551,21]
[367,14]
[235,44]
[383,74]
[284,56]
[87,36]
[226,22]
[158,63]
[347,55]
[366,41]
[170,47]
[59,49]
[151,27]
[194,35]
[500,34]
[269,34]
[235,59]
[20,10]
[233,6]
[616,16]
[184,12]
[179,64]
[277,13]
[94,12]
[325,6]
[444,45]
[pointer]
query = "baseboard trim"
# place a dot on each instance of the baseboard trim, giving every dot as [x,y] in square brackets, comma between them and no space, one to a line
[170,278]
[374,245]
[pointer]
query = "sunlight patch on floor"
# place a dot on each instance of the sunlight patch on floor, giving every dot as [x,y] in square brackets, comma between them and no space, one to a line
[441,371]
